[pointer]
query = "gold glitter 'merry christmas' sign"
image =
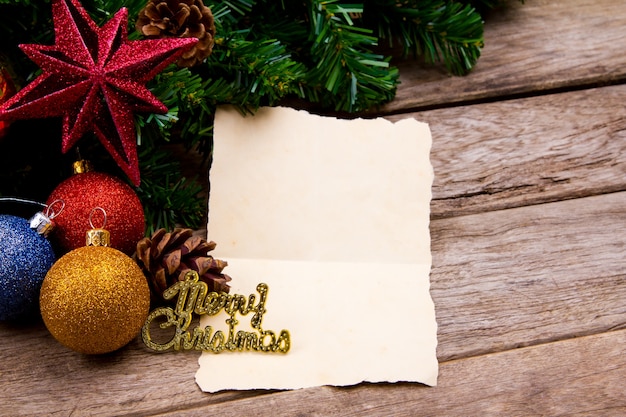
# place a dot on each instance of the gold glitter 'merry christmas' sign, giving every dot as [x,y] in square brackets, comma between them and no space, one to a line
[333,215]
[194,298]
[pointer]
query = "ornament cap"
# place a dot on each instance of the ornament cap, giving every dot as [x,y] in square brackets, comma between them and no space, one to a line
[42,224]
[98,237]
[81,166]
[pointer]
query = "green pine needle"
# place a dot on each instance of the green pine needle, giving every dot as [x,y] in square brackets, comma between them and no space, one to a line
[265,52]
[169,200]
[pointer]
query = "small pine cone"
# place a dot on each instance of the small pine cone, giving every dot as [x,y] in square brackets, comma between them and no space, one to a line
[166,257]
[180,19]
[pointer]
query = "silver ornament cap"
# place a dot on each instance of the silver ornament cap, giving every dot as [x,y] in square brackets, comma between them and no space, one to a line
[42,224]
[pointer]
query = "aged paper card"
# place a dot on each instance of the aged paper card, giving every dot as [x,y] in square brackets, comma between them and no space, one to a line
[334,216]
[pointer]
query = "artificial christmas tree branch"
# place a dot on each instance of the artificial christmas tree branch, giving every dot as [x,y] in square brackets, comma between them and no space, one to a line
[265,52]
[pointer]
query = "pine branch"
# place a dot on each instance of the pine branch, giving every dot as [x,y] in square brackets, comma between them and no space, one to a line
[447,32]
[167,198]
[321,51]
[258,72]
[354,78]
[103,10]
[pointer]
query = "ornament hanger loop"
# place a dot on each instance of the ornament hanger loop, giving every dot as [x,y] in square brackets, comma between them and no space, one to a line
[50,212]
[104,221]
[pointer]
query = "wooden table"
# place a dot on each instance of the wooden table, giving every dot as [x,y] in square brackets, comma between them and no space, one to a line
[528,241]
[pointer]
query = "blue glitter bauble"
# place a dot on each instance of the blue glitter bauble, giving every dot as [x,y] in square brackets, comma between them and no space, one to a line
[25,258]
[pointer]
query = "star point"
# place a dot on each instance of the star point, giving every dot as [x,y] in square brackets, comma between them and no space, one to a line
[93,77]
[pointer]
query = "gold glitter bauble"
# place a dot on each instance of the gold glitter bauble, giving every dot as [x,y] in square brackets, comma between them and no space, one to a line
[94,299]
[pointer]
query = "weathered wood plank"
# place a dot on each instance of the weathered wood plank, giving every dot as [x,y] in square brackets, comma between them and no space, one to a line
[540,45]
[522,277]
[500,280]
[528,151]
[577,377]
[41,377]
[518,277]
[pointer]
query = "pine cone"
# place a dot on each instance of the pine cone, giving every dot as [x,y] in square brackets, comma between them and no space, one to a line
[180,19]
[166,257]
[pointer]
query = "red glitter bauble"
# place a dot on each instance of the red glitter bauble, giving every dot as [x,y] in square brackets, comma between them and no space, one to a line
[81,193]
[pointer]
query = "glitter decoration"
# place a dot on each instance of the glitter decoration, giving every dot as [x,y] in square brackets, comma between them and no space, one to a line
[95,79]
[81,193]
[94,300]
[7,89]
[25,258]
[193,298]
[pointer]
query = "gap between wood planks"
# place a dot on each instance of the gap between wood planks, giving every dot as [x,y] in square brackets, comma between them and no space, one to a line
[501,97]
[528,275]
[528,381]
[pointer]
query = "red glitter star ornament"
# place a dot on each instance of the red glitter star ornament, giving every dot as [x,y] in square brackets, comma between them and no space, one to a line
[94,77]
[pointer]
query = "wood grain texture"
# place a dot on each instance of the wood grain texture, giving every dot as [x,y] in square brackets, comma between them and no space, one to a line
[577,377]
[41,377]
[538,46]
[500,280]
[529,275]
[528,151]
[528,243]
